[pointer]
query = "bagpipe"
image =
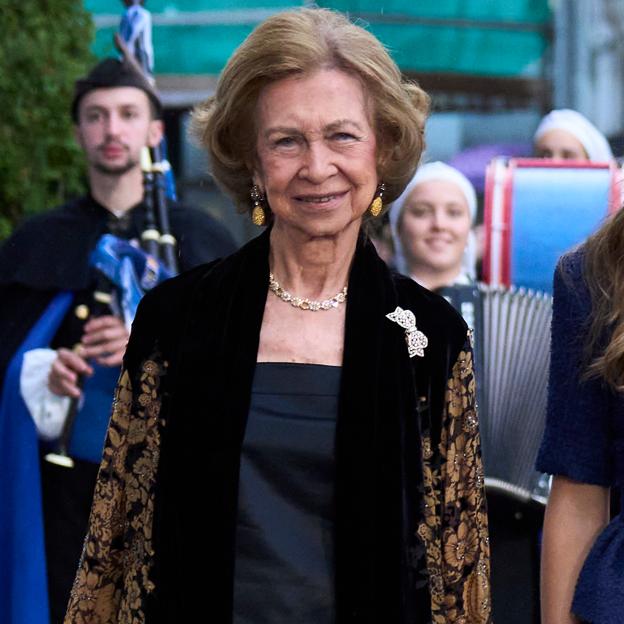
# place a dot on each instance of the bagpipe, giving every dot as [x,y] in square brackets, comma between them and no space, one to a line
[125,272]
[134,42]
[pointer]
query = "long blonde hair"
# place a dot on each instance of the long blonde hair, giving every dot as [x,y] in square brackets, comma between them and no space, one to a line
[604,275]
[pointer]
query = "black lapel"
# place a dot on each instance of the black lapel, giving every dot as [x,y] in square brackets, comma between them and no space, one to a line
[200,463]
[377,452]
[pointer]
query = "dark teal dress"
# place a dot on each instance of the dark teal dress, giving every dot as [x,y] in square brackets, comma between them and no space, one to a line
[285,530]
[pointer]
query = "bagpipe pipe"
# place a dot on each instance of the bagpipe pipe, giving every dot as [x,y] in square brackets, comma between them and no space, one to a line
[156,238]
[124,273]
[134,42]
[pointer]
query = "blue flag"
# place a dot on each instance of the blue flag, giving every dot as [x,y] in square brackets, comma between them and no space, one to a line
[23,584]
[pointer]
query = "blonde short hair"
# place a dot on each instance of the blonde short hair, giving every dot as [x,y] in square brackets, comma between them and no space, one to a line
[301,42]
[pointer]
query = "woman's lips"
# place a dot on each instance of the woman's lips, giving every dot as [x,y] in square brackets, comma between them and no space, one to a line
[439,243]
[321,200]
[319,197]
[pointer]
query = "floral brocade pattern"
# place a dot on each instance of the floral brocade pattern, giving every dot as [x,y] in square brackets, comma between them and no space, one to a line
[454,526]
[114,574]
[114,581]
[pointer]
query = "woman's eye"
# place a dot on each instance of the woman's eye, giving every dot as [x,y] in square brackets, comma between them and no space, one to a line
[456,211]
[418,211]
[285,142]
[343,136]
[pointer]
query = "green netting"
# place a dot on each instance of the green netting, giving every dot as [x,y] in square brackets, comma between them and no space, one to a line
[187,50]
[526,11]
[204,49]
[170,6]
[473,51]
[530,11]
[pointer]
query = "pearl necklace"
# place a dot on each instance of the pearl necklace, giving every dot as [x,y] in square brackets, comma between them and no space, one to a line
[305,303]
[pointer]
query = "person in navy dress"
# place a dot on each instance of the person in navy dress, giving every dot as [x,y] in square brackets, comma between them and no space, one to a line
[583,444]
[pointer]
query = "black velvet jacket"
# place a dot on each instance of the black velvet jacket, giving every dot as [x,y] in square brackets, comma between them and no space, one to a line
[410,521]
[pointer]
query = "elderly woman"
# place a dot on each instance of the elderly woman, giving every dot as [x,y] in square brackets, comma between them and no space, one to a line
[565,134]
[294,437]
[431,227]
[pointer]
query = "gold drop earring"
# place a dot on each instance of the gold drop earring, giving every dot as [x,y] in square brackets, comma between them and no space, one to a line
[377,203]
[258,216]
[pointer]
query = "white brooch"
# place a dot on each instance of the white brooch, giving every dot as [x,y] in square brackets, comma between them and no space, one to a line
[416,340]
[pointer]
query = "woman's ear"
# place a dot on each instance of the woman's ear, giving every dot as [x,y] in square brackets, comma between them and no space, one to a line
[257,181]
[384,155]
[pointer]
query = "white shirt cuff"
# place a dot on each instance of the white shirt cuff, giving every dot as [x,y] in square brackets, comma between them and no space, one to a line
[48,410]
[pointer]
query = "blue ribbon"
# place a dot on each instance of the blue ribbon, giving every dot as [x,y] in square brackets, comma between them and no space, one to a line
[131,269]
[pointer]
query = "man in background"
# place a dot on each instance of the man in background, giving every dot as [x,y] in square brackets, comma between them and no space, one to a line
[61,348]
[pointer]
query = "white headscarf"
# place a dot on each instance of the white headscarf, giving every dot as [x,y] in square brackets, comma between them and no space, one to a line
[592,140]
[445,173]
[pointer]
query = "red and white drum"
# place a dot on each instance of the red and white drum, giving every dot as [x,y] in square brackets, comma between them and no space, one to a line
[536,210]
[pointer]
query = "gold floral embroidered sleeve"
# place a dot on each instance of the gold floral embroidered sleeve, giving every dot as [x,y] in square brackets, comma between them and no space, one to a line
[114,572]
[454,528]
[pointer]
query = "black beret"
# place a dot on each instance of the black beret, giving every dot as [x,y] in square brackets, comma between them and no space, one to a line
[111,73]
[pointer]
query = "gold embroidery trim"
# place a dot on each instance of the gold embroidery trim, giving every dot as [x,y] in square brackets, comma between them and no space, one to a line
[113,578]
[454,527]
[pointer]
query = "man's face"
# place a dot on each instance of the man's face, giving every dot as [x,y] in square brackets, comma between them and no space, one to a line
[114,124]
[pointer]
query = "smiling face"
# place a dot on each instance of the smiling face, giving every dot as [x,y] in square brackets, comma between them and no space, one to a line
[434,227]
[114,124]
[560,145]
[316,152]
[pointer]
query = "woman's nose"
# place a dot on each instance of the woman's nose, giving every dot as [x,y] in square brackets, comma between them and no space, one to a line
[439,219]
[318,162]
